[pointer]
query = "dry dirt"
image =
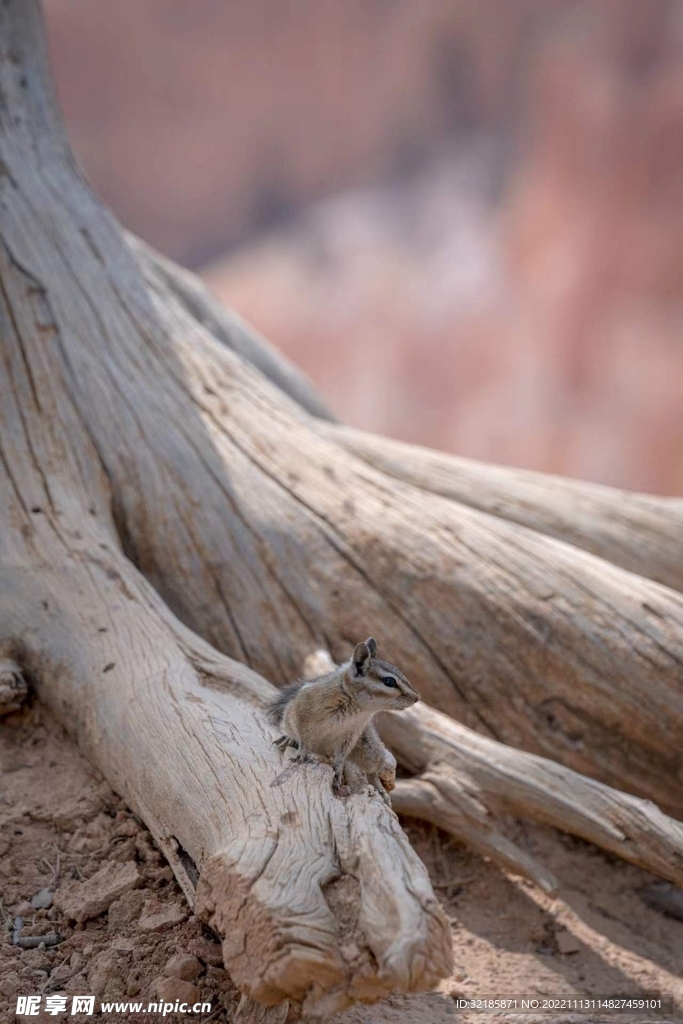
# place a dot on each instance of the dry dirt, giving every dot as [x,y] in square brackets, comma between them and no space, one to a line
[60,824]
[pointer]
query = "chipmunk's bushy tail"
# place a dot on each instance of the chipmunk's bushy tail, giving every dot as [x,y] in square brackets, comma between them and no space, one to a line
[276,708]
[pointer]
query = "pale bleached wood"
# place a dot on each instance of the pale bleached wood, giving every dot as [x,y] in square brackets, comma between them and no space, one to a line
[639,532]
[541,644]
[177,730]
[536,642]
[466,784]
[317,899]
[224,324]
[267,539]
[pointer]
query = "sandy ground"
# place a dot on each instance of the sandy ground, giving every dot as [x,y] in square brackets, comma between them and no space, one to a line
[60,825]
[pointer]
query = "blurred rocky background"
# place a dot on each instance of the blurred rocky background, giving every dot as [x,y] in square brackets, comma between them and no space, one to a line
[463,218]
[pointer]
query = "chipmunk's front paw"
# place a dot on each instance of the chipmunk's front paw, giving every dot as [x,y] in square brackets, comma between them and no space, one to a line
[285,741]
[339,789]
[385,796]
[379,786]
[305,757]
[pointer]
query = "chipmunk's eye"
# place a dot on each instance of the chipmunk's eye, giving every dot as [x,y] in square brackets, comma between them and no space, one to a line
[390,681]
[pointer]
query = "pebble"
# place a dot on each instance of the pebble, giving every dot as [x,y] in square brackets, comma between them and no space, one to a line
[217,976]
[10,986]
[70,815]
[126,909]
[184,966]
[172,989]
[568,943]
[81,901]
[208,951]
[104,970]
[155,916]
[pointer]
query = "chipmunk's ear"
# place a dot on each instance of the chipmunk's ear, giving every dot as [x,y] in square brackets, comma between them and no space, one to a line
[362,655]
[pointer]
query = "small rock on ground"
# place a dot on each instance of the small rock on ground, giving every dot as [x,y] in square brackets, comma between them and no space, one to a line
[80,901]
[155,916]
[172,989]
[184,966]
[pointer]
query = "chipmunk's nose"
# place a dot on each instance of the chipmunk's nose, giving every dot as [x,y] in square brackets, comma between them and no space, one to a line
[417,697]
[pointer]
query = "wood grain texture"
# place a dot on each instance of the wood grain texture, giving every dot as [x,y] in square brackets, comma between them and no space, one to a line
[466,783]
[167,508]
[225,325]
[639,532]
[534,641]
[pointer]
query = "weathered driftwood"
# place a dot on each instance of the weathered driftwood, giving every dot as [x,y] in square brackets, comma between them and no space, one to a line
[317,899]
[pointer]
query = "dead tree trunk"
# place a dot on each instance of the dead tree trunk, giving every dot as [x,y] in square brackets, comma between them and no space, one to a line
[318,899]
[167,495]
[536,642]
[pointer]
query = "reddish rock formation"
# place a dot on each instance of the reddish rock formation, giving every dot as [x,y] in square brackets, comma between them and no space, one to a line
[545,330]
[197,121]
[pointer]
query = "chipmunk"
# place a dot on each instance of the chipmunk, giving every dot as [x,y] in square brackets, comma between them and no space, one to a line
[329,718]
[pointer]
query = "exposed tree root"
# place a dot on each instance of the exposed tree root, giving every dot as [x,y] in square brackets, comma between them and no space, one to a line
[165,486]
[466,783]
[638,532]
[317,899]
[536,642]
